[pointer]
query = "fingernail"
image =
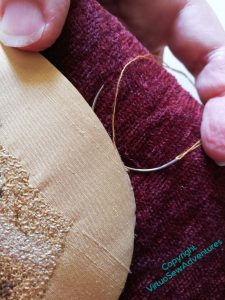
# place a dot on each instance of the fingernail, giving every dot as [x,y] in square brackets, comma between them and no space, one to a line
[220,164]
[21,24]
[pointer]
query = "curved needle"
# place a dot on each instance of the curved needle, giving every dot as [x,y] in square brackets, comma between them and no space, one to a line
[164,166]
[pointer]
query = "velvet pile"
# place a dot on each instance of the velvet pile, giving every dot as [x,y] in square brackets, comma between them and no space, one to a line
[156,120]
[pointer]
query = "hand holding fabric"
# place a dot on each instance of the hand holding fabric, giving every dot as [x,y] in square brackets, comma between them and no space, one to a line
[188,27]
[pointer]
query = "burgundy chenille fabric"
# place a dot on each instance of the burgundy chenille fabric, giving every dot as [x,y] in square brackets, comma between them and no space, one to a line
[156,119]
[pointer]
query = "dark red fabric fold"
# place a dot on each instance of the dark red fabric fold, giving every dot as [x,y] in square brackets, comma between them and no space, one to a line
[156,119]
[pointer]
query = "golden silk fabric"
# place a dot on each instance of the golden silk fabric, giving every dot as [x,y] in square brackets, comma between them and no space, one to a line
[52,134]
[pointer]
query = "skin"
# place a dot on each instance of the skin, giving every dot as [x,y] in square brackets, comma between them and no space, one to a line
[188,27]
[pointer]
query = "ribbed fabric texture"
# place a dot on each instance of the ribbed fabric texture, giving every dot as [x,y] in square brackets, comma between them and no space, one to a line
[156,120]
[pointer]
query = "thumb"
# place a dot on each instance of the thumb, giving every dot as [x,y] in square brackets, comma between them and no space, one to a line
[211,86]
[32,24]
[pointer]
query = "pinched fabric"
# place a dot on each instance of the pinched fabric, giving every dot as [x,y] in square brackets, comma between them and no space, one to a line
[156,119]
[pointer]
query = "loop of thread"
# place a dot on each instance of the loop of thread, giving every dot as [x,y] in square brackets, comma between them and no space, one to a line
[146,56]
[178,157]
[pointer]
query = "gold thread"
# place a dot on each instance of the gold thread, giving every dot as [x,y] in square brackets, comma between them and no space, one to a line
[147,56]
[192,148]
[178,157]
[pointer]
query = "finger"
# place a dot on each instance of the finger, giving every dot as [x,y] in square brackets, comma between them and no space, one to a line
[31,24]
[194,34]
[213,129]
[210,83]
[198,40]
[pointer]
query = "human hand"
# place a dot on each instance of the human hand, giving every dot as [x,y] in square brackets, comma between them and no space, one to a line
[188,27]
[32,24]
[195,36]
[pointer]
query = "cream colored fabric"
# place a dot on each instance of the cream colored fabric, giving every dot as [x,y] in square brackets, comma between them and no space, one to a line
[48,126]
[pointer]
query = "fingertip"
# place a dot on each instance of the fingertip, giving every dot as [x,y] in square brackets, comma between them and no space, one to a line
[55,12]
[220,163]
[213,129]
[32,25]
[210,81]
